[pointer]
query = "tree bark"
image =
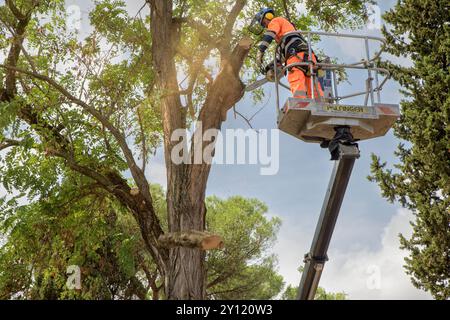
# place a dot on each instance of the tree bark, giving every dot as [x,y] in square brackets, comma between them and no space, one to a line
[185,276]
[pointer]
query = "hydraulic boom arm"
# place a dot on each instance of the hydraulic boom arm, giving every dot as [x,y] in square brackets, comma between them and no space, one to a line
[316,258]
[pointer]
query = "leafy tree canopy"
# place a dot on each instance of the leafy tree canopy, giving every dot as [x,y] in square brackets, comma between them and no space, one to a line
[86,228]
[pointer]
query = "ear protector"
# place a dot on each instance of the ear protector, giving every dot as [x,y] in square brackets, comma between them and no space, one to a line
[269,16]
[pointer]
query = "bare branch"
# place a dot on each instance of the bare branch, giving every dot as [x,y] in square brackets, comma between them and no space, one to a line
[243,117]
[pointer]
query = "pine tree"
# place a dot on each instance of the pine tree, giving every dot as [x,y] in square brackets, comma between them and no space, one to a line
[420,30]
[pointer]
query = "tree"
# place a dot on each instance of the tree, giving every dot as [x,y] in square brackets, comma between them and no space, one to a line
[82,228]
[92,107]
[97,234]
[420,30]
[244,269]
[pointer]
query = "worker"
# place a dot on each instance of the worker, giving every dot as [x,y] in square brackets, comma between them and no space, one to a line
[293,49]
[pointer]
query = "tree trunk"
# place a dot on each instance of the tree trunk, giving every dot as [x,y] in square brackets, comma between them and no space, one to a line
[187,272]
[185,275]
[186,183]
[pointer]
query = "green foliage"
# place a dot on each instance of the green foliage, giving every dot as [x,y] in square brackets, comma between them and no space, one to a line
[81,226]
[45,238]
[420,181]
[244,269]
[291,294]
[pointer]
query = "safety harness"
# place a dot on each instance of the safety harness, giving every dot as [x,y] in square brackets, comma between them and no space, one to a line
[293,40]
[292,44]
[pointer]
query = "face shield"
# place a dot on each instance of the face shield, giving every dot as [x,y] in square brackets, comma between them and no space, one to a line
[255,26]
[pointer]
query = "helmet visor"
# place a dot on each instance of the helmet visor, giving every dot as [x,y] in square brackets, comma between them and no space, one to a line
[255,26]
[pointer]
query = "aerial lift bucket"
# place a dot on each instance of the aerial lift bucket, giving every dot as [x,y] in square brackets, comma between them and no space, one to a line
[313,120]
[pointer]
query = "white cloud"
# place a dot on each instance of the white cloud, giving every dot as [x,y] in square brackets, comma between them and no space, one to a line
[353,49]
[293,242]
[361,273]
[156,172]
[301,8]
[401,61]
[134,6]
[2,191]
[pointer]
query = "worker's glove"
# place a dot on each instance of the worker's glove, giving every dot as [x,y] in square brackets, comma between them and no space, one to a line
[321,73]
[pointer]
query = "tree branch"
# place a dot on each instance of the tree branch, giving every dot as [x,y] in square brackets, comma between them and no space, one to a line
[137,174]
[15,11]
[230,21]
[7,143]
[144,140]
[244,118]
[88,172]
[13,57]
[191,239]
[286,5]
[143,212]
[140,205]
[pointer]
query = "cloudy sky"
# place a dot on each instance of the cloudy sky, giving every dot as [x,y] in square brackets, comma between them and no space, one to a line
[365,261]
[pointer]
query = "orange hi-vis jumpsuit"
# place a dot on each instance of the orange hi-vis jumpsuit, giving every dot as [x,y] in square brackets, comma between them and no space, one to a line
[300,83]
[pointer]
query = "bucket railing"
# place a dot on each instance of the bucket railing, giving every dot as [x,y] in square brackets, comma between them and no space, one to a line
[368,64]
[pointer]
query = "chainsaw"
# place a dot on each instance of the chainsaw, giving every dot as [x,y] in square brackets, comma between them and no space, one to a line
[269,73]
